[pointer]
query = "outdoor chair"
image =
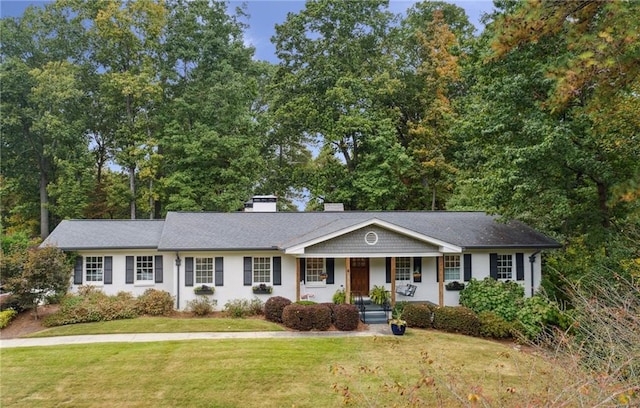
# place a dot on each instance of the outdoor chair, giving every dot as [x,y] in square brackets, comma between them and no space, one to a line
[406,290]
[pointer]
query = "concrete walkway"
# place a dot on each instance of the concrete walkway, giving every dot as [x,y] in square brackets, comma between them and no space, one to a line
[372,330]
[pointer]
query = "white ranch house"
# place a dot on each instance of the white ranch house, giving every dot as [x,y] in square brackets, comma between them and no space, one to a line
[301,254]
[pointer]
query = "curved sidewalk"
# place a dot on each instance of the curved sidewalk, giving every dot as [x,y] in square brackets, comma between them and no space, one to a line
[373,330]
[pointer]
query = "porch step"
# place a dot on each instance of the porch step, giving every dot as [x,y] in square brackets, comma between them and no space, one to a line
[373,316]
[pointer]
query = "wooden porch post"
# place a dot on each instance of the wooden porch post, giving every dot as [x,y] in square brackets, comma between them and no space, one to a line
[393,281]
[441,280]
[297,279]
[347,282]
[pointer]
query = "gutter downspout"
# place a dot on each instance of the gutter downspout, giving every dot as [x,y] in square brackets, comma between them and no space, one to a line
[532,260]
[178,263]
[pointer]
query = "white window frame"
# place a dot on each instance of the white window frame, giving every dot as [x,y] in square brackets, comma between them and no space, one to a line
[313,268]
[504,267]
[95,265]
[404,269]
[452,268]
[204,270]
[141,265]
[261,270]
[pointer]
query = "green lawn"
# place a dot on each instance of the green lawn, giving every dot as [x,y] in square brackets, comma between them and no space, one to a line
[161,325]
[426,367]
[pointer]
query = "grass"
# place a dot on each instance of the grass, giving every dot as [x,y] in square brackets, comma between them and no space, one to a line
[161,325]
[423,367]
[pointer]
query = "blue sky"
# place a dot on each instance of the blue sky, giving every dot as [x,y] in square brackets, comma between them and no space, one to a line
[264,14]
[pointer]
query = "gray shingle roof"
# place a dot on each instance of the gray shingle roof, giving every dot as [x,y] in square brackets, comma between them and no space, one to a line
[232,231]
[107,234]
[281,230]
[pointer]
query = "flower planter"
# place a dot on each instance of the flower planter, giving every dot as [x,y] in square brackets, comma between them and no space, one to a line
[204,292]
[397,329]
[261,291]
[455,285]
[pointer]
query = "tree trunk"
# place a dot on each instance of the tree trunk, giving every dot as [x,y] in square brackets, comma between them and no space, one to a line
[44,204]
[132,190]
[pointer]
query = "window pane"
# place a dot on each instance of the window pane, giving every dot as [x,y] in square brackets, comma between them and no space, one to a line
[403,268]
[451,267]
[314,267]
[204,270]
[262,269]
[505,264]
[94,268]
[144,268]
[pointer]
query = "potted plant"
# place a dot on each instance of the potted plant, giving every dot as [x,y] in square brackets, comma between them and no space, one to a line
[339,297]
[397,324]
[455,285]
[262,289]
[323,276]
[417,274]
[203,290]
[379,295]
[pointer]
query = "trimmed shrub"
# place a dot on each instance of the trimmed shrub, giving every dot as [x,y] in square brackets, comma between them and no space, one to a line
[321,316]
[298,317]
[201,306]
[418,315]
[155,303]
[241,308]
[347,317]
[306,302]
[501,298]
[494,326]
[456,319]
[331,307]
[273,308]
[6,316]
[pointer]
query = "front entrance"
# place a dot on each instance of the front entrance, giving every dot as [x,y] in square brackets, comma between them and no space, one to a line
[359,276]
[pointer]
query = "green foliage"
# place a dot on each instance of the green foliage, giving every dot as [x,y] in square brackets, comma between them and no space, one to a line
[92,305]
[418,315]
[536,315]
[494,326]
[456,319]
[6,316]
[501,298]
[273,308]
[347,317]
[241,308]
[45,272]
[379,295]
[156,302]
[339,297]
[201,306]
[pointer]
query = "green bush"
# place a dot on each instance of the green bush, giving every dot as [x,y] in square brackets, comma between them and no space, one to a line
[93,305]
[273,308]
[241,308]
[347,317]
[494,326]
[536,314]
[155,302]
[490,295]
[418,315]
[201,306]
[456,319]
[306,302]
[6,316]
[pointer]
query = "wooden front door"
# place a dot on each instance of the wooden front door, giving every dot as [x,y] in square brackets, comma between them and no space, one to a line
[359,276]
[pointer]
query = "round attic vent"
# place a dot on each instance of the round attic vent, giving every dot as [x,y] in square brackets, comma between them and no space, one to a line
[371,238]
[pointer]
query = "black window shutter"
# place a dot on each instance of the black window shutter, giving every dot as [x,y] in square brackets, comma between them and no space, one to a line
[188,271]
[277,270]
[158,268]
[108,270]
[519,266]
[387,269]
[248,268]
[438,261]
[128,270]
[493,266]
[219,279]
[417,266]
[303,270]
[467,267]
[331,266]
[77,271]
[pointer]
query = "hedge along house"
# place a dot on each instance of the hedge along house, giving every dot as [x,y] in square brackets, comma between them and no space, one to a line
[302,254]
